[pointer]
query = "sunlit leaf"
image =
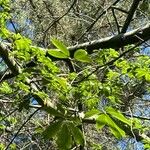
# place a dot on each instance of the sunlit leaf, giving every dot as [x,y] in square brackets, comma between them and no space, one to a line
[118,115]
[63,82]
[113,53]
[104,119]
[57,53]
[115,133]
[61,47]
[5,88]
[140,72]
[13,146]
[82,55]
[147,76]
[101,121]
[91,113]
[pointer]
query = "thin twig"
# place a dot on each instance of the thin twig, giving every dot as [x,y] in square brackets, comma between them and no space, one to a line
[58,19]
[16,30]
[108,63]
[21,128]
[116,21]
[94,22]
[138,117]
[122,10]
[130,15]
[9,114]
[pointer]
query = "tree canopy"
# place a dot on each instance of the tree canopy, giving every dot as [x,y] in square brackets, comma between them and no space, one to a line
[74,74]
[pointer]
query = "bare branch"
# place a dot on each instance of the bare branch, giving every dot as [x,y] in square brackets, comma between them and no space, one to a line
[115,41]
[130,15]
[120,9]
[4,53]
[58,19]
[21,128]
[115,18]
[94,22]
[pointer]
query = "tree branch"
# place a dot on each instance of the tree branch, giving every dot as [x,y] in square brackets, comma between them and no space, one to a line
[130,15]
[4,53]
[94,22]
[58,19]
[118,41]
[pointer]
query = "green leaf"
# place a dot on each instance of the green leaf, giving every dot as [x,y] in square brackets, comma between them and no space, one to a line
[64,140]
[76,133]
[112,75]
[5,88]
[91,113]
[101,121]
[82,55]
[118,132]
[52,130]
[123,65]
[21,43]
[61,47]
[2,127]
[23,86]
[113,52]
[13,146]
[115,133]
[57,53]
[42,94]
[2,146]
[104,119]
[117,115]
[147,146]
[140,72]
[63,82]
[147,76]
[53,111]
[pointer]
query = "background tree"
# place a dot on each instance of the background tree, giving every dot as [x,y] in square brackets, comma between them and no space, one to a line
[61,92]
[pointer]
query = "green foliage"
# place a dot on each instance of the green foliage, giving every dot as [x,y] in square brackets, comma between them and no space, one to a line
[90,91]
[61,47]
[105,119]
[13,146]
[65,133]
[95,90]
[4,13]
[52,129]
[61,52]
[60,92]
[108,119]
[82,55]
[76,134]
[5,88]
[143,72]
[2,146]
[53,111]
[117,115]
[147,146]
[64,139]
[91,113]
[21,47]
[57,53]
